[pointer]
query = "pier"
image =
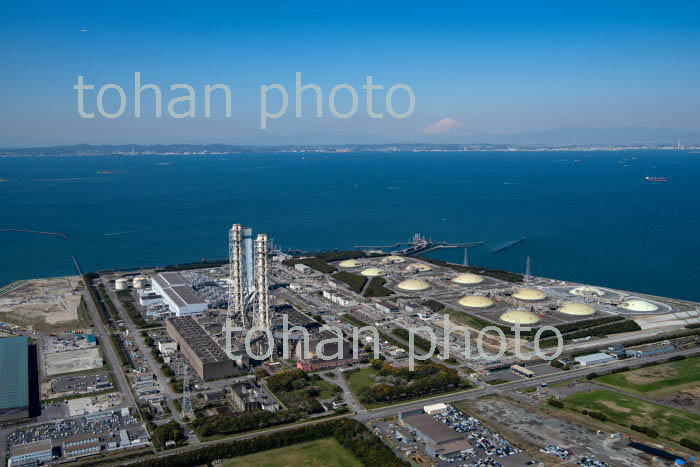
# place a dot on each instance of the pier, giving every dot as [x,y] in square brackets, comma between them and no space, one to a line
[58,234]
[420,245]
[509,245]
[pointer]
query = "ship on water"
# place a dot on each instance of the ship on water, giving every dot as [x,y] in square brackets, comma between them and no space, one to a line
[656,179]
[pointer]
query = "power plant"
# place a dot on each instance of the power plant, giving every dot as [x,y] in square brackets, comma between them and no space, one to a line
[248,288]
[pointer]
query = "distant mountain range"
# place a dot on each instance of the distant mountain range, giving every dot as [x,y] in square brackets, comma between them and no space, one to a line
[577,136]
[458,139]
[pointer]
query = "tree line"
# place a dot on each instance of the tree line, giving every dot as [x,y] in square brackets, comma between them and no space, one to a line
[352,435]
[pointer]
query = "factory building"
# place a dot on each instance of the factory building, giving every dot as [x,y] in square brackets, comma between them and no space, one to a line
[312,362]
[302,268]
[167,347]
[522,371]
[14,378]
[337,298]
[439,438]
[204,355]
[387,307]
[594,359]
[33,453]
[246,397]
[81,445]
[177,294]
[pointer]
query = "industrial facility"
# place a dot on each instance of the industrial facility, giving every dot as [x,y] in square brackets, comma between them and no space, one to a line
[440,439]
[14,378]
[177,294]
[204,355]
[248,291]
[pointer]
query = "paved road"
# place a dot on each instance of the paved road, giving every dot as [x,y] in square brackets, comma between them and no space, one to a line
[473,394]
[135,335]
[508,388]
[110,355]
[348,396]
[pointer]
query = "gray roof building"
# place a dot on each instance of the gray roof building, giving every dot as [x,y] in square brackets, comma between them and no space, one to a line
[14,377]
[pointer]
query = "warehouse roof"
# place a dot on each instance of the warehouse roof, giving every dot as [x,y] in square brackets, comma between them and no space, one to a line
[30,448]
[592,358]
[14,372]
[434,429]
[169,279]
[183,296]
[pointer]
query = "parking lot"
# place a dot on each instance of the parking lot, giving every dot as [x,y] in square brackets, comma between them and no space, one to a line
[63,386]
[490,448]
[107,426]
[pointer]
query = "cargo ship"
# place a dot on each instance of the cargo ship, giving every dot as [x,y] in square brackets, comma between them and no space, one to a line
[656,179]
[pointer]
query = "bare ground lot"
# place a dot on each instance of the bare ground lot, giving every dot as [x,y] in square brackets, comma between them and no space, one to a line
[533,429]
[86,405]
[45,305]
[75,360]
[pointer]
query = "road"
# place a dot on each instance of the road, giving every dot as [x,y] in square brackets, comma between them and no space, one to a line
[110,353]
[348,396]
[205,444]
[503,389]
[111,356]
[506,388]
[135,335]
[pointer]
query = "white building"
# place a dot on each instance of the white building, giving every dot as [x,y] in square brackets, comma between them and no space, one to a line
[304,269]
[432,409]
[148,298]
[339,299]
[30,453]
[177,294]
[594,359]
[166,348]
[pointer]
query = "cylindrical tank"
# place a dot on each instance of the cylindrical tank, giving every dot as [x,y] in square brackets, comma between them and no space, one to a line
[138,282]
[120,284]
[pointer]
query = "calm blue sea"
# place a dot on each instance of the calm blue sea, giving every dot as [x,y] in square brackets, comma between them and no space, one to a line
[587,217]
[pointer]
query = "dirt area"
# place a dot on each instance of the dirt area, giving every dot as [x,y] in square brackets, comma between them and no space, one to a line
[651,375]
[86,405]
[533,429]
[43,304]
[617,408]
[75,360]
[688,399]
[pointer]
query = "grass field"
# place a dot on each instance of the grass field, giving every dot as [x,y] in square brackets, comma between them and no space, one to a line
[362,379]
[328,390]
[657,377]
[628,410]
[320,453]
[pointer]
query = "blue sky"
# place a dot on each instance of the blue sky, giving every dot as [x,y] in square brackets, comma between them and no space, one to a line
[500,68]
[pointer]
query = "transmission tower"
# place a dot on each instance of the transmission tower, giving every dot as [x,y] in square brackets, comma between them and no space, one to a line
[186,400]
[528,272]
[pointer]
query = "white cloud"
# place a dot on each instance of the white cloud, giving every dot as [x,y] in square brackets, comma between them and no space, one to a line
[442,126]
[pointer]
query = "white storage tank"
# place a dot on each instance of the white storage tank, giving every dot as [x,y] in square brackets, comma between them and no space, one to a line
[120,284]
[139,281]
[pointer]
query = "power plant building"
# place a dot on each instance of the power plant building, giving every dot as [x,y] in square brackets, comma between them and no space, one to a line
[14,378]
[205,356]
[177,294]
